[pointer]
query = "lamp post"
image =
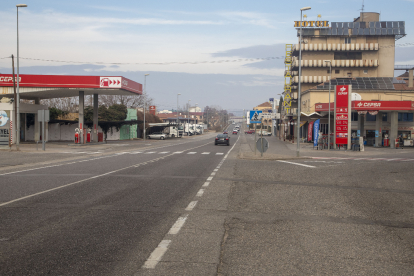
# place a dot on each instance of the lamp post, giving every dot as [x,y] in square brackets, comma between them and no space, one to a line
[18,80]
[145,94]
[177,108]
[300,71]
[329,108]
[188,114]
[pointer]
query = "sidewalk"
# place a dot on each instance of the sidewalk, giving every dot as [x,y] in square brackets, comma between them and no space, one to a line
[281,150]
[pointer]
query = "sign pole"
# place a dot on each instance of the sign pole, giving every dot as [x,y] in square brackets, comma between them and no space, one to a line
[255,138]
[43,130]
[334,146]
[261,141]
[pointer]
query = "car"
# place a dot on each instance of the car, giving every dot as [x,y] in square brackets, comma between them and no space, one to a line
[235,132]
[250,131]
[222,139]
[225,132]
[157,135]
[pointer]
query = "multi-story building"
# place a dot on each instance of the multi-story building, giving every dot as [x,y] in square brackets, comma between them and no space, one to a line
[357,51]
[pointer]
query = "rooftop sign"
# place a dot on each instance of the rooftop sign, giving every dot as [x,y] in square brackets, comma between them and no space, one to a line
[312,24]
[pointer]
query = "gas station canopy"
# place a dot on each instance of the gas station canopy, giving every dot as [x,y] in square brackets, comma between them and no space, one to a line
[32,87]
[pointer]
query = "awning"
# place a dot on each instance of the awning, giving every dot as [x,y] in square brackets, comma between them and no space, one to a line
[302,123]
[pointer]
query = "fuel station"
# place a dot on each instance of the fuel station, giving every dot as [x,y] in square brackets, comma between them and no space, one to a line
[38,87]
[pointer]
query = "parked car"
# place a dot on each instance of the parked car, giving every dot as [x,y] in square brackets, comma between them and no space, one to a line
[157,135]
[235,132]
[222,139]
[250,131]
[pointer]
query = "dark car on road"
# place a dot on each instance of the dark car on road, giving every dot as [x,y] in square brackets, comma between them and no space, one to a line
[222,139]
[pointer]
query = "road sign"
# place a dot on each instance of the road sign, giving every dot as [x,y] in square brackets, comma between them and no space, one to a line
[262,145]
[255,116]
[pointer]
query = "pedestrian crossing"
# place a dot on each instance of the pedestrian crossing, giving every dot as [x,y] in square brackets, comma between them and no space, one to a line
[147,152]
[364,159]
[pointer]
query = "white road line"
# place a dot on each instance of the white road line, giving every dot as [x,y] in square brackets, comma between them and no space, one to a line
[394,159]
[297,164]
[177,225]
[210,178]
[157,254]
[206,184]
[200,192]
[191,206]
[135,152]
[219,153]
[178,152]
[163,152]
[150,152]
[205,153]
[215,170]
[192,152]
[213,173]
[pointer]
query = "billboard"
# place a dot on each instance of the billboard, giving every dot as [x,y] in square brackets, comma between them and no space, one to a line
[4,127]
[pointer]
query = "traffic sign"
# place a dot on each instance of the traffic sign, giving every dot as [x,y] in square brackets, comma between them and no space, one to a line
[255,116]
[262,145]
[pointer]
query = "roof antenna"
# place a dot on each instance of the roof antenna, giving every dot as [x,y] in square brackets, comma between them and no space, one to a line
[362,11]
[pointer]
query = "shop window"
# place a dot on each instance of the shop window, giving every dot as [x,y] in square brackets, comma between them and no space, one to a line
[354,116]
[405,117]
[365,71]
[384,117]
[371,118]
[337,71]
[347,55]
[348,40]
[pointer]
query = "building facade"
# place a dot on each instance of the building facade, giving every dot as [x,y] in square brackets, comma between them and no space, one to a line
[359,51]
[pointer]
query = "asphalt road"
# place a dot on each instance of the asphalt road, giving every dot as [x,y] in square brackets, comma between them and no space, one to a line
[187,207]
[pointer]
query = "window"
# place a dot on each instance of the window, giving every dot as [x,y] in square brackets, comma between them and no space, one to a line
[365,71]
[354,116]
[328,71]
[336,71]
[405,117]
[347,40]
[347,55]
[371,118]
[384,117]
[349,75]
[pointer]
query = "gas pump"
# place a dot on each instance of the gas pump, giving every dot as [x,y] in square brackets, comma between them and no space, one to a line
[88,135]
[77,135]
[386,141]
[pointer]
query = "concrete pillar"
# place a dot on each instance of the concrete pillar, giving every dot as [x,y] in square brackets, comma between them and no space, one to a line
[95,118]
[378,129]
[81,115]
[394,128]
[36,124]
[361,124]
[410,78]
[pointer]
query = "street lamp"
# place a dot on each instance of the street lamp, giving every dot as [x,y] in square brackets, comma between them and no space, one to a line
[18,81]
[188,114]
[145,93]
[329,108]
[300,71]
[177,110]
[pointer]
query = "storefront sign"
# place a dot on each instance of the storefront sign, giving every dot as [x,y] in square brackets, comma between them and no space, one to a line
[312,24]
[371,106]
[342,114]
[310,131]
[4,127]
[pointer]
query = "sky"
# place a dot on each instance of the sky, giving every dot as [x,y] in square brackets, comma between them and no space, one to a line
[225,53]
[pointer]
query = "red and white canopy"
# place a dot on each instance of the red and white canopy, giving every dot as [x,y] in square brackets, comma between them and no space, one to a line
[58,86]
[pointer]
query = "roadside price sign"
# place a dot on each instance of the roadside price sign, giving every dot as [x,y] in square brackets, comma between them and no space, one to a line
[342,113]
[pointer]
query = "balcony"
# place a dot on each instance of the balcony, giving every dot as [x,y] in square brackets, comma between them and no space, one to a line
[338,63]
[337,47]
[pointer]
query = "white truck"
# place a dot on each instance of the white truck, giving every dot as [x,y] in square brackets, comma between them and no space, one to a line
[170,129]
[189,129]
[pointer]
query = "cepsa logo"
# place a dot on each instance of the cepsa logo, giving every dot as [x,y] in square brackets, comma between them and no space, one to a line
[9,79]
[343,91]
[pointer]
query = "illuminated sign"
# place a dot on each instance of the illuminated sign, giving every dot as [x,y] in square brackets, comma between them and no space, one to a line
[312,24]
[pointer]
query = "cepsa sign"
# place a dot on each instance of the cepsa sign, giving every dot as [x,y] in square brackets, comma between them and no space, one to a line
[312,24]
